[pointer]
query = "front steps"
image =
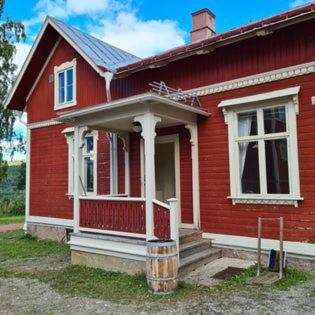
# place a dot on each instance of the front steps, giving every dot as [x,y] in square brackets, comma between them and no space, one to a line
[194,251]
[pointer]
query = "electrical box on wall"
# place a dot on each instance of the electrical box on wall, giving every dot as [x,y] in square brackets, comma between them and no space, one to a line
[313,100]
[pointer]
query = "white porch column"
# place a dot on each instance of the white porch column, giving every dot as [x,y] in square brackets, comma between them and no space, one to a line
[125,137]
[148,122]
[77,169]
[193,129]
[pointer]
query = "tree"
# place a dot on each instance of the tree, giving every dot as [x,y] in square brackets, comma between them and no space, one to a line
[10,33]
[21,177]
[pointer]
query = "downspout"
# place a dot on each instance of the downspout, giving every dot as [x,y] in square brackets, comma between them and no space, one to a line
[108,76]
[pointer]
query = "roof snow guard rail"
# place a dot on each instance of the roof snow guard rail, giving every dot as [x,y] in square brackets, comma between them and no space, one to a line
[178,95]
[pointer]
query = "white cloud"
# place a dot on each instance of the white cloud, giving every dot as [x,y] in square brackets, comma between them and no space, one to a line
[86,6]
[22,50]
[140,37]
[297,3]
[63,9]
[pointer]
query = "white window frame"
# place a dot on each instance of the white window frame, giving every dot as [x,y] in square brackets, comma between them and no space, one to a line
[69,135]
[63,68]
[231,108]
[93,155]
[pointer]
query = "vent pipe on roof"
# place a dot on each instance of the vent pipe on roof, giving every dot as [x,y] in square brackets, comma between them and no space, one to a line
[203,25]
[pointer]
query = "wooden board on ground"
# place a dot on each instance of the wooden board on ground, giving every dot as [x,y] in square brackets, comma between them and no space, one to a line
[266,278]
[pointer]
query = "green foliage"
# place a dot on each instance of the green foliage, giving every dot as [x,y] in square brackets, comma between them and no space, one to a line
[10,33]
[240,279]
[9,220]
[12,200]
[21,179]
[16,244]
[293,277]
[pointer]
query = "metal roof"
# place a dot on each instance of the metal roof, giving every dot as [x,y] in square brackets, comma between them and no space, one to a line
[101,53]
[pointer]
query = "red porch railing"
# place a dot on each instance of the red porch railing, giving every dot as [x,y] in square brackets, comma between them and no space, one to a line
[113,214]
[161,214]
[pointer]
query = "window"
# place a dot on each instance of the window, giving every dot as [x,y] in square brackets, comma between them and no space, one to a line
[89,164]
[263,152]
[65,85]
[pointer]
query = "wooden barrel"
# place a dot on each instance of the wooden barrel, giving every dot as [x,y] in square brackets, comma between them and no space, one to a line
[162,266]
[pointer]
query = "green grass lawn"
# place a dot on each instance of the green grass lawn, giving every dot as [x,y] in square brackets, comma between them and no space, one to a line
[9,220]
[16,244]
[112,286]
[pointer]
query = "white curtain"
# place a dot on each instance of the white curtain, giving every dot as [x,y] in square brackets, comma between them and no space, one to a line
[244,127]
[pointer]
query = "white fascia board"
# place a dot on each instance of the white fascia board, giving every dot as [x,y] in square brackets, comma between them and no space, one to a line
[250,243]
[260,97]
[140,98]
[49,21]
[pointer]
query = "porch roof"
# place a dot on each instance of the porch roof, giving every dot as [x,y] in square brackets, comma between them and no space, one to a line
[107,115]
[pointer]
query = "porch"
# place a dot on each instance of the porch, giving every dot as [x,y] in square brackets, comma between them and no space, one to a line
[156,214]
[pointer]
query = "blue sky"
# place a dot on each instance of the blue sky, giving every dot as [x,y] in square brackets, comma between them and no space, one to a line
[142,27]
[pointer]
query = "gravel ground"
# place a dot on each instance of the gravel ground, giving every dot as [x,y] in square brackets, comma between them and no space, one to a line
[27,296]
[30,296]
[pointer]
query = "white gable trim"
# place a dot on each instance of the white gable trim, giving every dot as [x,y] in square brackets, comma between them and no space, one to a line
[260,97]
[47,22]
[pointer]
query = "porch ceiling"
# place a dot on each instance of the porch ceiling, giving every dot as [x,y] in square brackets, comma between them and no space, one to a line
[119,114]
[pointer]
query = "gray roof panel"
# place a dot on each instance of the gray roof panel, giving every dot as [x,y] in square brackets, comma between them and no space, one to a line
[102,54]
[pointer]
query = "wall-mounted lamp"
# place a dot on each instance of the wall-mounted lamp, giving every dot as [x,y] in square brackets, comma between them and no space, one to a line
[136,126]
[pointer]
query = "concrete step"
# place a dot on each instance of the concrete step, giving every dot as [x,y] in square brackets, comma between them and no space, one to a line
[199,259]
[193,247]
[188,235]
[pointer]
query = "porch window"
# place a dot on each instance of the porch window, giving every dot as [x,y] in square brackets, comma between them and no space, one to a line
[89,164]
[263,153]
[65,85]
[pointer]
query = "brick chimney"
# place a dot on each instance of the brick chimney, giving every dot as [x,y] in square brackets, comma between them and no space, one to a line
[203,25]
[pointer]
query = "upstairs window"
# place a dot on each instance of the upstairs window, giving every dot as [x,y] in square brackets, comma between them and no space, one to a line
[65,85]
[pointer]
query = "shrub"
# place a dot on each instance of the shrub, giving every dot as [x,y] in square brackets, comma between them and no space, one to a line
[12,206]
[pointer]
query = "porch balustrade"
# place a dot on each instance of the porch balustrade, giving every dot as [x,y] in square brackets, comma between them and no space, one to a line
[113,215]
[127,216]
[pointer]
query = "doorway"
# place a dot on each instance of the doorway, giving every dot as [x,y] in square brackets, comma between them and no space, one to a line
[167,168]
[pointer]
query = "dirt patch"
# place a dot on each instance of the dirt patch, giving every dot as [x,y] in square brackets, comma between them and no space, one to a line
[228,273]
[11,227]
[49,262]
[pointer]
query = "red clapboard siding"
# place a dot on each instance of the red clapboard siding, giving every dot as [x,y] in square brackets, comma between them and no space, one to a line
[103,164]
[90,86]
[218,215]
[49,173]
[290,46]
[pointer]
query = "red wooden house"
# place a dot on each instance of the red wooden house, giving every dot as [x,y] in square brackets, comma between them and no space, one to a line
[119,161]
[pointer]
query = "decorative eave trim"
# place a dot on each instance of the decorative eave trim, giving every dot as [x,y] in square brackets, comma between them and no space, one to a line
[267,201]
[41,124]
[261,78]
[289,92]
